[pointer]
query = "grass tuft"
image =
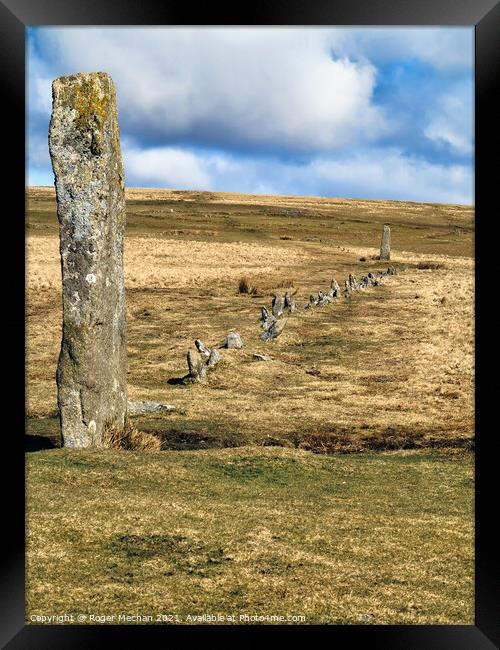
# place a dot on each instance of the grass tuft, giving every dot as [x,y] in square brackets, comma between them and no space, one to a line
[243,286]
[128,437]
[430,266]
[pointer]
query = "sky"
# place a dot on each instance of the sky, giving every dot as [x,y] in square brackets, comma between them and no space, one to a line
[374,112]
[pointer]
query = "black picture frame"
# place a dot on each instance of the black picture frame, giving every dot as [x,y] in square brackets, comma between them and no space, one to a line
[15,16]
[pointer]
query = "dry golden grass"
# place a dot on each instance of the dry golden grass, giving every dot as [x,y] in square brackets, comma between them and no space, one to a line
[391,366]
[129,438]
[153,263]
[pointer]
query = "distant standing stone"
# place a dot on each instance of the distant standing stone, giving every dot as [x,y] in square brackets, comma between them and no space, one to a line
[84,145]
[385,244]
[266,319]
[233,340]
[313,299]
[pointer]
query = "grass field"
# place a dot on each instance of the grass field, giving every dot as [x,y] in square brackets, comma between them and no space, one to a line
[375,538]
[388,373]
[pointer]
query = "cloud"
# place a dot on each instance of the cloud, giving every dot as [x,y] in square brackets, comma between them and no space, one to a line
[353,112]
[244,87]
[371,174]
[452,121]
[450,49]
[391,174]
[165,167]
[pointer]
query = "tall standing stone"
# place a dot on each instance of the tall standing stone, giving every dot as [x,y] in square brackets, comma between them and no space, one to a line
[385,244]
[84,144]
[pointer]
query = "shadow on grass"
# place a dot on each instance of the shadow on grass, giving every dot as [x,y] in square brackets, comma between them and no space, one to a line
[179,381]
[42,433]
[37,443]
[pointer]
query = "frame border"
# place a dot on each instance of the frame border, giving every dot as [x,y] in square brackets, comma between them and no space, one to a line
[15,17]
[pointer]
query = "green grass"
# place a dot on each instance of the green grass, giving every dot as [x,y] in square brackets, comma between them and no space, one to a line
[349,539]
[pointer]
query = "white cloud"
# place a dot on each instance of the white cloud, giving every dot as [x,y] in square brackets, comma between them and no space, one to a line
[451,122]
[165,167]
[391,174]
[253,87]
[449,48]
[375,174]
[188,97]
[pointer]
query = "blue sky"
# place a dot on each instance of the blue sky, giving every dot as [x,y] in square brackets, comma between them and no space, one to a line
[381,113]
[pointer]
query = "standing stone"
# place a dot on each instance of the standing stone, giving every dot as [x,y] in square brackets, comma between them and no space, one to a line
[290,302]
[353,283]
[385,244]
[84,144]
[202,349]
[313,299]
[334,289]
[266,319]
[323,299]
[266,324]
[214,358]
[275,330]
[278,305]
[196,367]
[233,341]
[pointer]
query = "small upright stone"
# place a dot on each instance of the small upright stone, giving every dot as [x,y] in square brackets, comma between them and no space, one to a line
[84,145]
[202,349]
[274,331]
[334,291]
[196,367]
[214,358]
[353,283]
[385,244]
[313,299]
[323,299]
[266,319]
[290,302]
[278,305]
[233,340]
[266,324]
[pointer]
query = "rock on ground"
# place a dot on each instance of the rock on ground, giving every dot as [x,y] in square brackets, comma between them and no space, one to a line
[275,330]
[233,340]
[214,358]
[196,366]
[146,406]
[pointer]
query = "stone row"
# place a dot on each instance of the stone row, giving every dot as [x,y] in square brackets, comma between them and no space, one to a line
[274,322]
